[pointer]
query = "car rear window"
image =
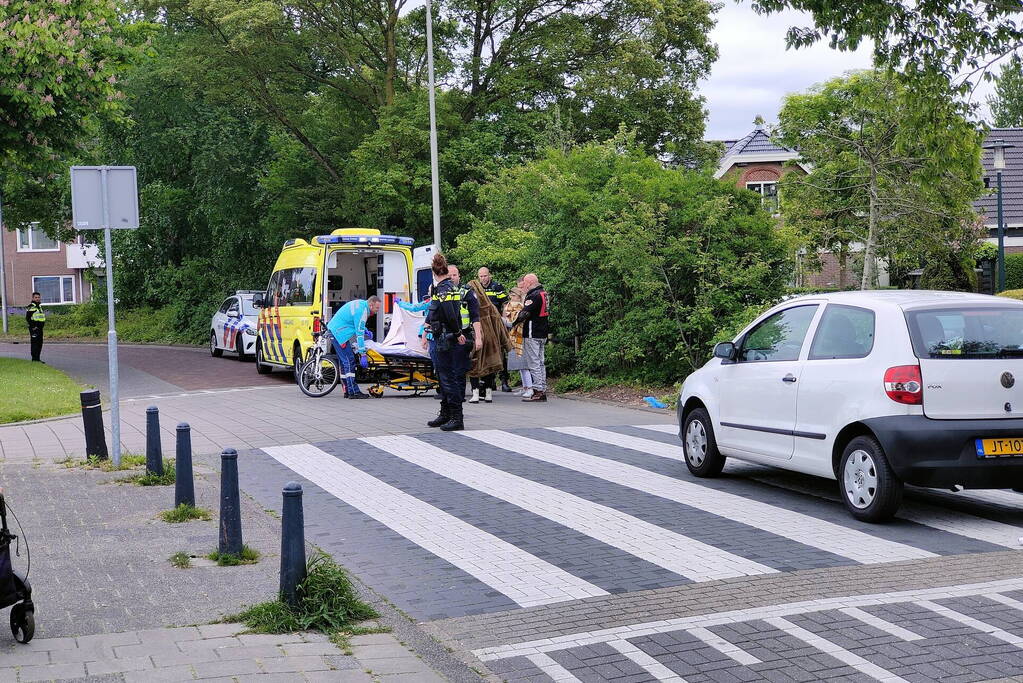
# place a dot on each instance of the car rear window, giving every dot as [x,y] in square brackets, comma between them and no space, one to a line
[967,332]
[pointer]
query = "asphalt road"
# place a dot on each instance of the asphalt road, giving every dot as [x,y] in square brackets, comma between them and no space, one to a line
[146,370]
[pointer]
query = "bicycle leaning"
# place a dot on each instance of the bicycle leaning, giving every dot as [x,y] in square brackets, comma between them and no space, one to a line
[320,373]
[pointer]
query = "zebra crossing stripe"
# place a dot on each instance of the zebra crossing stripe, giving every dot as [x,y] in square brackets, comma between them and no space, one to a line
[880,624]
[688,557]
[649,446]
[723,646]
[648,663]
[839,653]
[926,514]
[811,531]
[523,577]
[663,428]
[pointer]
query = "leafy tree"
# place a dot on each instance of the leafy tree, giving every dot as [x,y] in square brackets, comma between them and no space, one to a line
[58,78]
[885,175]
[646,265]
[932,40]
[1007,102]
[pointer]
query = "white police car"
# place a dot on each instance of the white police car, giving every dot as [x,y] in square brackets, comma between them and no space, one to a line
[233,327]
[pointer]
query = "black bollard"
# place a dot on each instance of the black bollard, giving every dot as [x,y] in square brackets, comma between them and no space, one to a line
[230,505]
[92,417]
[292,543]
[154,452]
[184,488]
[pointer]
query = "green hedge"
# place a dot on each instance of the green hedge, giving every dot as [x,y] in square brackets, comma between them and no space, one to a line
[1014,271]
[138,325]
[1012,294]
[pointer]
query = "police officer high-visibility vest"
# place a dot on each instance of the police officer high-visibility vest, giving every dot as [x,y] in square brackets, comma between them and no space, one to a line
[38,316]
[448,299]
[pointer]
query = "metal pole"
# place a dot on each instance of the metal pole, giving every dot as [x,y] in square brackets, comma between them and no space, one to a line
[115,408]
[434,171]
[3,265]
[1001,238]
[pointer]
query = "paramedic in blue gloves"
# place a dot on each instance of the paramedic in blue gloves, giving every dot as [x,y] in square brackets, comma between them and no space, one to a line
[348,327]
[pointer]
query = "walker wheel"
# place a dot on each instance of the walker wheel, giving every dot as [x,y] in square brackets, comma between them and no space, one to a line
[23,623]
[376,392]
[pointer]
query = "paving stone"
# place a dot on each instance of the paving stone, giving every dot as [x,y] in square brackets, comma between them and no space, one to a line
[384,651]
[110,666]
[169,674]
[229,668]
[338,677]
[296,663]
[248,652]
[324,648]
[49,672]
[8,675]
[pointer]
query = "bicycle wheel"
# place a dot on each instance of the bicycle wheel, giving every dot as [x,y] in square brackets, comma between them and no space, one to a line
[318,377]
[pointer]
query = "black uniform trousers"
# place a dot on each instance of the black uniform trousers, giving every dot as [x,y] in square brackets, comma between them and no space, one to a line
[35,334]
[451,367]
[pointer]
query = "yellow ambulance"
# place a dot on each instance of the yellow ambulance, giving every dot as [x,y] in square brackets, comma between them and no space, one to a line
[311,280]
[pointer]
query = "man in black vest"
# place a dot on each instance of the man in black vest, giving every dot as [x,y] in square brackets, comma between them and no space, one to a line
[36,319]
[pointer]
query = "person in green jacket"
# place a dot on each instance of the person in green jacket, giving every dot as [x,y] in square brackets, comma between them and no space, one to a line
[36,319]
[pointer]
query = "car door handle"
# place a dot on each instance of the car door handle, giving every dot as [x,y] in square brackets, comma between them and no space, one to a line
[789,378]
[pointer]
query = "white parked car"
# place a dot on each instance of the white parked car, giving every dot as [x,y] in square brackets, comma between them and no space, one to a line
[233,327]
[875,389]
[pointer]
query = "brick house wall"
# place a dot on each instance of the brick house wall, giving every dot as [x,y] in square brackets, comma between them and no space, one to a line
[22,266]
[760,172]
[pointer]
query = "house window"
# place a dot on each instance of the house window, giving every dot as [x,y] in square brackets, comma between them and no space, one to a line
[768,192]
[33,238]
[55,289]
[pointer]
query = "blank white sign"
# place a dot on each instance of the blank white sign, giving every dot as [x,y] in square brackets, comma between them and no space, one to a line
[87,197]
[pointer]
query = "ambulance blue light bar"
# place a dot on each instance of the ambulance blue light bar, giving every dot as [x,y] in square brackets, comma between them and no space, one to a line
[365,239]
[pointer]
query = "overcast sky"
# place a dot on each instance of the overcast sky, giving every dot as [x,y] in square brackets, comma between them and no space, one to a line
[754,70]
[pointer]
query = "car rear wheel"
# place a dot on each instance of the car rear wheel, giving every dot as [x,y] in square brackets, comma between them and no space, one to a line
[261,367]
[870,490]
[214,351]
[701,451]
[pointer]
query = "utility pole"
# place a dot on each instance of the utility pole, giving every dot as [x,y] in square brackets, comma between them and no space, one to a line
[3,265]
[434,171]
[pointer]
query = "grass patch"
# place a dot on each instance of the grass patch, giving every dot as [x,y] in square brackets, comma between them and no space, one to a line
[326,602]
[181,560]
[33,391]
[150,479]
[88,322]
[129,461]
[247,556]
[186,513]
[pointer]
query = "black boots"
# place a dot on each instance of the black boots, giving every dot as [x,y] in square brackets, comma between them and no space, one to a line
[454,422]
[504,387]
[442,417]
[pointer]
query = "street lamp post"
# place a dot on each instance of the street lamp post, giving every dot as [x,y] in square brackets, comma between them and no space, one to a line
[998,148]
[434,171]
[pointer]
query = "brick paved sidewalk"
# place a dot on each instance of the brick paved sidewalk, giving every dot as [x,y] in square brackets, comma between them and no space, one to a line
[218,652]
[282,415]
[102,582]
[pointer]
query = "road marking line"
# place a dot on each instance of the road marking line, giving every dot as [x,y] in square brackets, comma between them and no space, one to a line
[919,512]
[723,646]
[1005,600]
[664,429]
[571,640]
[977,624]
[672,551]
[811,531]
[523,577]
[649,446]
[648,663]
[881,624]
[552,668]
[836,651]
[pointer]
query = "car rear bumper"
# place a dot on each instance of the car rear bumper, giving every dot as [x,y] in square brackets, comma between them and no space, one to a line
[943,453]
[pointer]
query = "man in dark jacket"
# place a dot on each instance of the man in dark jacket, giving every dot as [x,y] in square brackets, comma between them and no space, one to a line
[36,319]
[499,297]
[535,321]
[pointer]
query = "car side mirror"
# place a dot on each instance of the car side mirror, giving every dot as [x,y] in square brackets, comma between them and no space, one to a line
[258,300]
[725,350]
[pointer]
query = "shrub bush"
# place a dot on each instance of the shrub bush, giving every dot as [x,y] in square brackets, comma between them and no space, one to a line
[1014,271]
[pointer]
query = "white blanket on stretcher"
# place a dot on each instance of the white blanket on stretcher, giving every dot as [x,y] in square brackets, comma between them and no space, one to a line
[403,336]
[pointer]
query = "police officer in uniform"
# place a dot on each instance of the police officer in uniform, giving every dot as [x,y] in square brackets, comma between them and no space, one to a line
[454,323]
[36,319]
[499,297]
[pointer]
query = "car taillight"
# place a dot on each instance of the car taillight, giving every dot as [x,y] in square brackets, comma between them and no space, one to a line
[903,384]
[316,324]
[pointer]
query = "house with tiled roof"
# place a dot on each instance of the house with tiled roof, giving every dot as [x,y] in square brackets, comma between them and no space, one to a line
[757,163]
[1012,189]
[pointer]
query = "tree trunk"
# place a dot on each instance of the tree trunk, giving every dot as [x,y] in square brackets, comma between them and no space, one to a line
[391,52]
[869,265]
